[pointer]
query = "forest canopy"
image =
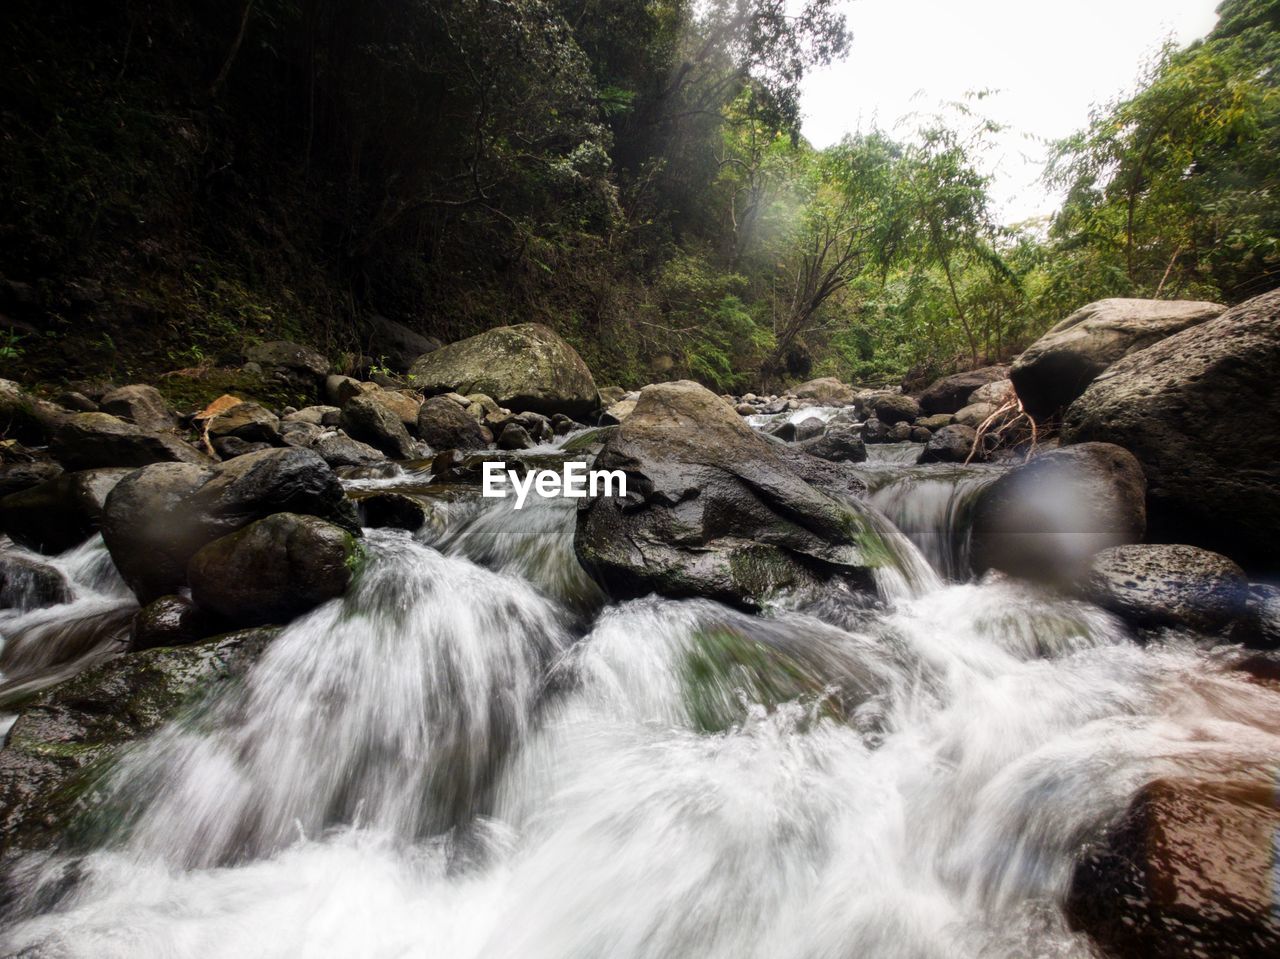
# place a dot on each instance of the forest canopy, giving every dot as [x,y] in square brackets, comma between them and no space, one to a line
[184,177]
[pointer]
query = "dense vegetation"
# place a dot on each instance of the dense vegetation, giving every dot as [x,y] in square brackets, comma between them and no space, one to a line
[183,177]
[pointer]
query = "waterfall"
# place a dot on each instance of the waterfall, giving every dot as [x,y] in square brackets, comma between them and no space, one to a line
[473,755]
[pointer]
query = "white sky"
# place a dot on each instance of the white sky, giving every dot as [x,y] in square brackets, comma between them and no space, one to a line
[1049,60]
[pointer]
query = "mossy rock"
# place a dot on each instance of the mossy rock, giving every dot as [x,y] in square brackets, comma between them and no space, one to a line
[63,742]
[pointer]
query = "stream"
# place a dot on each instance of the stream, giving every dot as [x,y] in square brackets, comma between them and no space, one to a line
[473,755]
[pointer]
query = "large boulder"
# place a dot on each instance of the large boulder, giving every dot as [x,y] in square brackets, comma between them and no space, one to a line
[53,754]
[891,408]
[1057,368]
[366,419]
[141,405]
[273,570]
[827,391]
[26,584]
[1169,585]
[25,418]
[712,509]
[1188,872]
[1046,519]
[291,365]
[16,477]
[246,421]
[395,345]
[841,442]
[525,367]
[444,425]
[1198,410]
[157,518]
[951,444]
[60,514]
[85,441]
[951,393]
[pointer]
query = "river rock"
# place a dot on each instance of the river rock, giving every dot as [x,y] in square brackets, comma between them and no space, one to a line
[396,345]
[229,447]
[891,408]
[875,431]
[443,424]
[1046,519]
[85,441]
[387,510]
[293,365]
[402,403]
[951,444]
[936,421]
[975,414]
[366,419]
[712,509]
[338,449]
[249,422]
[617,412]
[840,443]
[1187,873]
[827,391]
[141,405]
[25,418]
[1180,406]
[525,367]
[60,514]
[158,517]
[1059,366]
[610,395]
[997,393]
[951,393]
[314,416]
[172,621]
[299,433]
[15,477]
[52,754]
[26,584]
[273,570]
[1169,585]
[515,437]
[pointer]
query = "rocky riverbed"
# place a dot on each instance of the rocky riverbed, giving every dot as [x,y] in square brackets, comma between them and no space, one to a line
[987,670]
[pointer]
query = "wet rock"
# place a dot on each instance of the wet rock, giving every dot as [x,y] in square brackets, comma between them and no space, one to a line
[26,584]
[712,509]
[840,443]
[248,422]
[172,621]
[443,424]
[369,421]
[562,425]
[338,449]
[229,447]
[481,405]
[15,477]
[141,405]
[314,415]
[157,518]
[525,367]
[1177,406]
[894,408]
[515,437]
[395,344]
[951,444]
[392,511]
[951,393]
[828,391]
[1187,873]
[936,422]
[1261,626]
[25,418]
[403,404]
[900,432]
[1059,366]
[1044,520]
[300,433]
[86,441]
[875,430]
[60,514]
[1167,585]
[53,753]
[273,570]
[920,434]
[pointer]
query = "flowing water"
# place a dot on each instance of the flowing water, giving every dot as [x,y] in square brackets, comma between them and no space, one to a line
[473,755]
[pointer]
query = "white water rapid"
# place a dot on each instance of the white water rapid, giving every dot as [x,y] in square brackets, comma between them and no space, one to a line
[471,756]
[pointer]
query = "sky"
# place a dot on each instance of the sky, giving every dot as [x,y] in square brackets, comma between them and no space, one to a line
[1048,62]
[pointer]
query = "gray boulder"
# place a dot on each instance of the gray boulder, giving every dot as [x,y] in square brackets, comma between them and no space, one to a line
[394,344]
[25,418]
[85,441]
[1046,519]
[60,514]
[951,444]
[525,367]
[712,509]
[951,393]
[172,621]
[290,364]
[1178,406]
[392,511]
[141,405]
[338,449]
[26,584]
[891,408]
[369,421]
[246,421]
[1168,585]
[157,518]
[16,477]
[443,425]
[840,443]
[1059,366]
[827,391]
[273,570]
